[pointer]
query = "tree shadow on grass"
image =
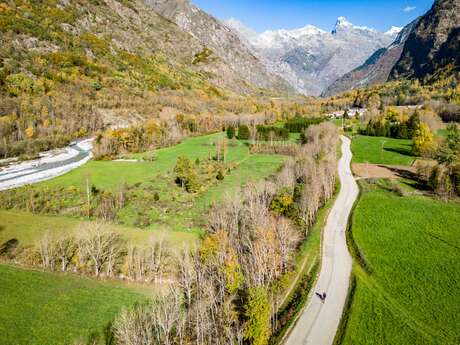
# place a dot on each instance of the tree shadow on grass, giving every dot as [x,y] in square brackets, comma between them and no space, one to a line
[401,151]
[411,178]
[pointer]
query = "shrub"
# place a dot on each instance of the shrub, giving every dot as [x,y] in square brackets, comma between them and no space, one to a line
[142,220]
[283,204]
[95,85]
[440,181]
[220,176]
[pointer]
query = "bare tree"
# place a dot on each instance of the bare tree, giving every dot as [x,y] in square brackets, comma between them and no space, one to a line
[101,247]
[47,252]
[161,322]
[66,248]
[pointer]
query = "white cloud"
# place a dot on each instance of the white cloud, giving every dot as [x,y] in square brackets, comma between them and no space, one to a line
[409,8]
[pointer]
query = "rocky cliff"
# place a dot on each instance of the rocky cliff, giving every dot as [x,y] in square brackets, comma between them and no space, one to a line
[221,40]
[433,44]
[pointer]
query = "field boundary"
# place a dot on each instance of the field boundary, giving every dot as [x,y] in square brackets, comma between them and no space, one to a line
[340,335]
[355,254]
[352,246]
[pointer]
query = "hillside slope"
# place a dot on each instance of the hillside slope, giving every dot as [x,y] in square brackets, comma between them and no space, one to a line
[226,44]
[68,68]
[433,45]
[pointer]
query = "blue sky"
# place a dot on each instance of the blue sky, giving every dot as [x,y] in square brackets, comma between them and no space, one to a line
[289,14]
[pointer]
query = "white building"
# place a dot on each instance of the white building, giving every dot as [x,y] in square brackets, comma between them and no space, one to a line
[352,112]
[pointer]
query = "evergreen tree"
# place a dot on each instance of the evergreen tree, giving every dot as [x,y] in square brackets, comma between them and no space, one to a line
[449,150]
[244,132]
[220,176]
[230,132]
[402,131]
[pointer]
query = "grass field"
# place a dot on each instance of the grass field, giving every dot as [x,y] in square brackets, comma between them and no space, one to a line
[110,175]
[178,215]
[411,246]
[379,150]
[39,308]
[27,228]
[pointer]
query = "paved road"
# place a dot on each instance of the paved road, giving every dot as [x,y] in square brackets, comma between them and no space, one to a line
[319,321]
[50,164]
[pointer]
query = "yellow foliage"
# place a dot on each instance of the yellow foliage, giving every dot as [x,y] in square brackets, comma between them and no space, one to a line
[423,140]
[30,132]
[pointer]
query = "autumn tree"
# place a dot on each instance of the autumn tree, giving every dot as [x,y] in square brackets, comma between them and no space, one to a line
[423,141]
[186,175]
[257,312]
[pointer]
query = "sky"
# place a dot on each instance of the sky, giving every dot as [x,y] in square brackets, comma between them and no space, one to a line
[264,15]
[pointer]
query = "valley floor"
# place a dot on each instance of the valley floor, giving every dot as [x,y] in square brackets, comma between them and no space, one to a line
[53,308]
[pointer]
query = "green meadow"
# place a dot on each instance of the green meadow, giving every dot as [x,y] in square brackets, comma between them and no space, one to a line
[380,150]
[39,308]
[407,277]
[110,175]
[178,216]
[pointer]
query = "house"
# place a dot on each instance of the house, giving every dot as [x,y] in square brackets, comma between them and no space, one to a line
[338,114]
[352,112]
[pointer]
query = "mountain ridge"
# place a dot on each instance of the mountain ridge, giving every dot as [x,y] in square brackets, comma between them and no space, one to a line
[426,49]
[310,58]
[433,43]
[221,40]
[376,69]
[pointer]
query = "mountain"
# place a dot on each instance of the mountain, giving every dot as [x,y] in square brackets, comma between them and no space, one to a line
[376,69]
[433,45]
[424,49]
[221,40]
[71,68]
[311,59]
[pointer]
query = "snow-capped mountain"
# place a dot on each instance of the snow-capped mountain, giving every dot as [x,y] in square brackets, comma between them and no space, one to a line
[377,67]
[311,59]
